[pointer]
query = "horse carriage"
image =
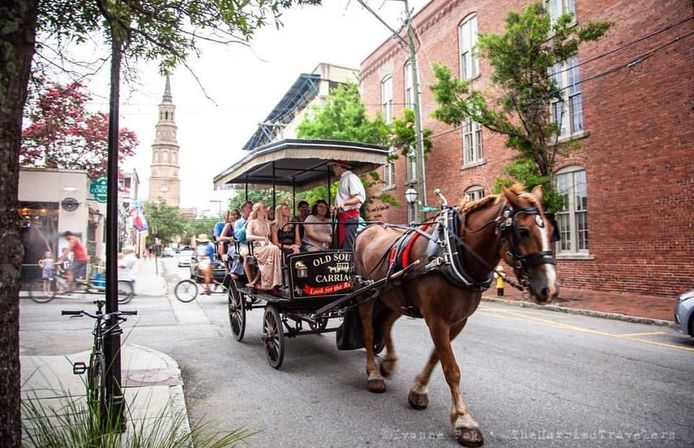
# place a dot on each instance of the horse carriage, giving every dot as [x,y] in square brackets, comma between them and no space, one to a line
[435,270]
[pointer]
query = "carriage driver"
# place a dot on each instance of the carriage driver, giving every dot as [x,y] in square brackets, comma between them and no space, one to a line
[350,196]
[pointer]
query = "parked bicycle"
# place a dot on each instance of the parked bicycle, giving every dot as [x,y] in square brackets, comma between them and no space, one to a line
[105,325]
[43,291]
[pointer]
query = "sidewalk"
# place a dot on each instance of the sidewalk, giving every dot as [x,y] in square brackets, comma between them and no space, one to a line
[147,282]
[152,382]
[629,307]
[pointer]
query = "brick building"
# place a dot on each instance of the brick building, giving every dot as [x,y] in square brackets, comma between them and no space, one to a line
[629,221]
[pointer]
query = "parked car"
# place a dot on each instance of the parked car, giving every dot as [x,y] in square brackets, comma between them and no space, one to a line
[184,256]
[684,313]
[167,252]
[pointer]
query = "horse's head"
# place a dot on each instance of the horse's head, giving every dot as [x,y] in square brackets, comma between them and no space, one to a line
[526,242]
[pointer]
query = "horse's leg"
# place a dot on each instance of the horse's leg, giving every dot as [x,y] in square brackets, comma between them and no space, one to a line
[388,364]
[375,382]
[418,397]
[466,428]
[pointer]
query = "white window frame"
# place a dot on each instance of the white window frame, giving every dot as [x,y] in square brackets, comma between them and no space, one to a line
[556,8]
[387,98]
[473,147]
[474,193]
[389,172]
[568,112]
[467,42]
[571,182]
[409,87]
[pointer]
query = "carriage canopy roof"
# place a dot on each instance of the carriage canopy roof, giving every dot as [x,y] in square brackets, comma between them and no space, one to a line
[300,163]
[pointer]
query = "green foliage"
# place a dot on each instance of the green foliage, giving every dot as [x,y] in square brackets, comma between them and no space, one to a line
[525,171]
[167,220]
[521,59]
[343,117]
[197,226]
[164,30]
[403,136]
[261,195]
[70,422]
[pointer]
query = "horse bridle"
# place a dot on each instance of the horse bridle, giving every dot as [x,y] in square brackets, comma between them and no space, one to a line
[509,231]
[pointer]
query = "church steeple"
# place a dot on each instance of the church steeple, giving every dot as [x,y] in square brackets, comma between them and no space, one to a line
[164,182]
[167,91]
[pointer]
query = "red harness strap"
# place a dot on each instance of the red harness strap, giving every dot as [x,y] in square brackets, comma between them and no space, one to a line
[405,256]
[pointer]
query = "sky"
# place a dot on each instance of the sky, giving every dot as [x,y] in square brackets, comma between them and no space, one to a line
[245,83]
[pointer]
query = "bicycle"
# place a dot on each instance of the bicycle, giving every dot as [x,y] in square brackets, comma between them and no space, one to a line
[187,290]
[58,285]
[104,326]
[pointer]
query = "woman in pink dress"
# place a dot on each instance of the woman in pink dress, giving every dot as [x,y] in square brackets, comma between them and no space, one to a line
[268,256]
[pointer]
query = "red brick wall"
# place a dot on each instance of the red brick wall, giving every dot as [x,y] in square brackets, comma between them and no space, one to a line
[638,155]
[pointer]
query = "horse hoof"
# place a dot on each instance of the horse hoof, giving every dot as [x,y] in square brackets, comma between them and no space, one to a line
[385,371]
[418,401]
[376,386]
[471,437]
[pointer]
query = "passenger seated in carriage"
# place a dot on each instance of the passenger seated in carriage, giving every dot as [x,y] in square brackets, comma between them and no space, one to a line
[267,255]
[285,235]
[240,246]
[318,232]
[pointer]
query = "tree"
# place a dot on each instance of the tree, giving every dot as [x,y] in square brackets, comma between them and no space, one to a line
[195,227]
[166,30]
[343,117]
[522,59]
[165,222]
[62,134]
[259,195]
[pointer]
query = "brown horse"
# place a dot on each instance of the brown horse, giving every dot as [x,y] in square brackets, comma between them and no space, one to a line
[511,226]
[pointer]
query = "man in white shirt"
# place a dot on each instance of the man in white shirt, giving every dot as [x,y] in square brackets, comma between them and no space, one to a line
[127,262]
[349,199]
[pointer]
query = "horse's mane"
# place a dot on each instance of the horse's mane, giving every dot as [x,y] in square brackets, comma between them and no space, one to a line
[487,201]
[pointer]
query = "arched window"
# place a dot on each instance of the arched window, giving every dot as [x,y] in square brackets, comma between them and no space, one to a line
[166,115]
[409,85]
[467,41]
[474,193]
[572,219]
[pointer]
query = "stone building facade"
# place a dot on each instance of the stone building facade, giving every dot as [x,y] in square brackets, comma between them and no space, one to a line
[628,222]
[164,182]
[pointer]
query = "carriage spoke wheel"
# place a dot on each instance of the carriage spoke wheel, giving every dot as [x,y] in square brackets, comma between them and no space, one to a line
[237,311]
[273,336]
[186,291]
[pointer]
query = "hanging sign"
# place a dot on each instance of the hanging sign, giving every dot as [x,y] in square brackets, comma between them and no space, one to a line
[99,189]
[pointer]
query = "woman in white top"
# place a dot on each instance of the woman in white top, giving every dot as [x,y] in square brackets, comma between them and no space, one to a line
[317,228]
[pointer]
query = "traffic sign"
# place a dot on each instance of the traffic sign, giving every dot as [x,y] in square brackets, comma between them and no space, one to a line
[430,208]
[99,188]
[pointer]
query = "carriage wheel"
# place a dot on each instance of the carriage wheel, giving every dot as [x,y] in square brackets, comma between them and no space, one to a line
[237,312]
[186,291]
[320,325]
[273,335]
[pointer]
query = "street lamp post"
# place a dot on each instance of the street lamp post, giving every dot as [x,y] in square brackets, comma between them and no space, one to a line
[411,198]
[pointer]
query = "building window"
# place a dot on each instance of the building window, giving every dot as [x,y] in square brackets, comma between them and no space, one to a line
[474,193]
[387,99]
[389,172]
[556,8]
[467,36]
[573,217]
[472,141]
[409,88]
[567,113]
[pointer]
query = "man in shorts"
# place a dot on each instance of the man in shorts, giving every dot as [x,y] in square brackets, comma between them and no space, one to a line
[80,258]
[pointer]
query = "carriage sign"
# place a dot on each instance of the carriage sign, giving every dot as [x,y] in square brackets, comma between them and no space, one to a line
[321,273]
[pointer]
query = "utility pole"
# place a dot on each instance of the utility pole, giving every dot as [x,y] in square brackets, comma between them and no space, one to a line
[420,185]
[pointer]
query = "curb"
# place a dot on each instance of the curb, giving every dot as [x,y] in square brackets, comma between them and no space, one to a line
[176,397]
[591,313]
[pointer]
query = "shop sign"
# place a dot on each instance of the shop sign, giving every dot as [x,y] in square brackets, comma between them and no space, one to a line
[99,189]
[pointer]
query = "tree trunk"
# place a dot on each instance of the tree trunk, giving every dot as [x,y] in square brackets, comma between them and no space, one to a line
[17,33]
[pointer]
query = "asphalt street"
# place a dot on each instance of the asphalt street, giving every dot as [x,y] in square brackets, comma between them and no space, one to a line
[530,377]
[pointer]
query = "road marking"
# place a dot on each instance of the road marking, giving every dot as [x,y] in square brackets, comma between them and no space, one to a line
[628,335]
[561,325]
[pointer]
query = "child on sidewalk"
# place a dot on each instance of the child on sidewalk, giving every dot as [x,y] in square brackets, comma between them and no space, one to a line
[47,271]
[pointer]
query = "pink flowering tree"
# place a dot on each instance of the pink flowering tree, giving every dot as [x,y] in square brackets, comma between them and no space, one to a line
[63,134]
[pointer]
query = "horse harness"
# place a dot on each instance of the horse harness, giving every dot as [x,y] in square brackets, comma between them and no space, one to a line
[445,251]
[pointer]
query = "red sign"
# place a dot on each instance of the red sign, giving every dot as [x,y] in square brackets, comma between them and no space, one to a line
[322,290]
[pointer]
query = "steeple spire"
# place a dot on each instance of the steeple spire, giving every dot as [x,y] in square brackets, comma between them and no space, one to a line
[167,91]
